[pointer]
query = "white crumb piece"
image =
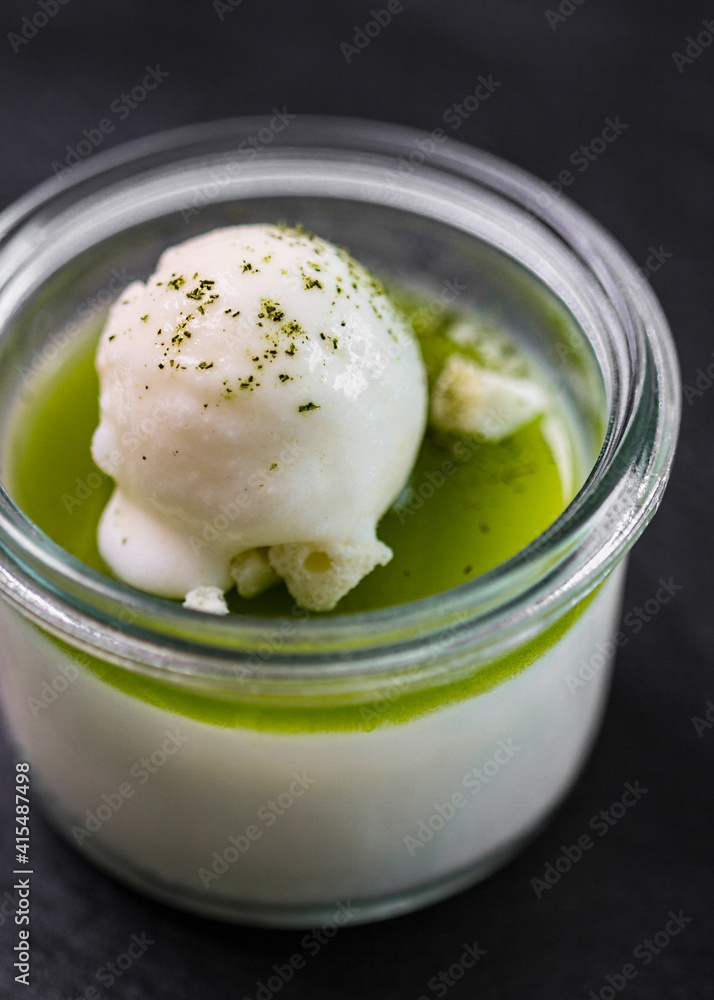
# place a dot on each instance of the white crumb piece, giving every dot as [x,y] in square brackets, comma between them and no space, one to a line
[252,572]
[208,599]
[470,399]
[462,331]
[319,574]
[493,349]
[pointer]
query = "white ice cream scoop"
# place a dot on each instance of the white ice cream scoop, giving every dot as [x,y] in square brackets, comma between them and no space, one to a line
[259,392]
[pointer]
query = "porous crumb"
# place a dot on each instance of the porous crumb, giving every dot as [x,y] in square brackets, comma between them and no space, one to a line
[470,399]
[207,599]
[319,574]
[252,572]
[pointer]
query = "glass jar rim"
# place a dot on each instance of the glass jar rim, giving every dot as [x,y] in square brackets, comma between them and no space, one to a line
[520,596]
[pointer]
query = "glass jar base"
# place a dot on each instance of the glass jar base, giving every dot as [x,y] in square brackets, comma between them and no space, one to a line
[336,913]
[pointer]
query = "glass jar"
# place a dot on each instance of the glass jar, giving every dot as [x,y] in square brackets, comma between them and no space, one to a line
[287,771]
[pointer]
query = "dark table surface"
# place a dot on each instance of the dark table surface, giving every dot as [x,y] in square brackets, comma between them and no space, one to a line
[562,72]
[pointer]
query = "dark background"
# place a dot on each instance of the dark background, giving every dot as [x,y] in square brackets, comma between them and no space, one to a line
[653,188]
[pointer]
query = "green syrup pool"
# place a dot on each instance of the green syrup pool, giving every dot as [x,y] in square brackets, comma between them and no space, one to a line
[468,506]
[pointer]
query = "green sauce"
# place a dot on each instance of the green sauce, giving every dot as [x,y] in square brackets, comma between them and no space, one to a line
[387,706]
[468,506]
